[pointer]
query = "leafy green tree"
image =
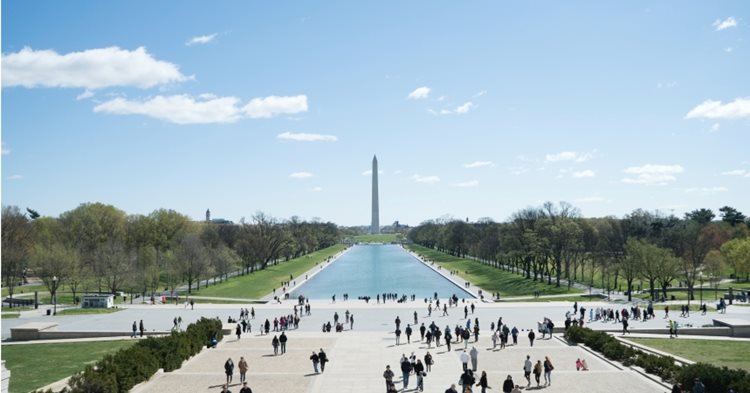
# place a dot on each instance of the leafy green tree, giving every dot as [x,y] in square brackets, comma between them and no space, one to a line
[731,215]
[737,254]
[701,216]
[17,241]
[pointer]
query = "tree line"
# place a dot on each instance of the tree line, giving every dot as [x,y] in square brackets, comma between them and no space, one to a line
[553,242]
[98,247]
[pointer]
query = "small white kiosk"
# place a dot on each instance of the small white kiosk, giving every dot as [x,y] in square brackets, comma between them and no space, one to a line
[98,301]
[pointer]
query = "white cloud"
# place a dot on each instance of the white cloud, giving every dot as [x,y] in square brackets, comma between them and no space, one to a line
[568,156]
[301,175]
[728,49]
[201,39]
[666,85]
[518,170]
[479,164]
[5,150]
[709,109]
[736,172]
[90,69]
[317,189]
[369,172]
[724,24]
[591,199]
[657,175]
[584,173]
[303,137]
[705,190]
[425,179]
[274,105]
[441,98]
[16,177]
[471,183]
[419,93]
[465,108]
[207,108]
[715,127]
[86,94]
[179,109]
[481,93]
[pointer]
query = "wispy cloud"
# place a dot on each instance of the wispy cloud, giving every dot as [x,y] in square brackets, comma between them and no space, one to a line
[90,69]
[715,127]
[301,175]
[591,199]
[425,179]
[584,173]
[5,149]
[317,189]
[464,108]
[568,156]
[303,137]
[728,49]
[705,190]
[419,93]
[369,172]
[479,164]
[737,109]
[86,94]
[186,109]
[666,85]
[655,175]
[724,24]
[16,177]
[479,94]
[201,39]
[471,183]
[736,172]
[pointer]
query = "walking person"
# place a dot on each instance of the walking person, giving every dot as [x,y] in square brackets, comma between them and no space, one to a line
[405,371]
[474,354]
[408,334]
[415,318]
[315,360]
[398,335]
[388,375]
[527,370]
[275,343]
[243,369]
[141,328]
[514,333]
[428,361]
[465,360]
[531,337]
[548,367]
[419,371]
[135,329]
[422,329]
[483,382]
[238,332]
[508,385]
[229,370]
[625,326]
[323,360]
[245,388]
[538,371]
[282,341]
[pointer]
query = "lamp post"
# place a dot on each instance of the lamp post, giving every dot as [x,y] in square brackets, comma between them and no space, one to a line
[701,277]
[54,295]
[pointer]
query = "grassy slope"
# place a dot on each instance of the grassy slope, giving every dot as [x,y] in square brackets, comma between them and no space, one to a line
[489,278]
[732,354]
[262,282]
[35,365]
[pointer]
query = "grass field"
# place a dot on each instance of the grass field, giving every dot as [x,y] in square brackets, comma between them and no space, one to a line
[381,238]
[262,282]
[88,311]
[488,278]
[732,354]
[573,298]
[10,315]
[35,365]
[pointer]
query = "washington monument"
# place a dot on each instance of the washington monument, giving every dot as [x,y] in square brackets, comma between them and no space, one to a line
[375,224]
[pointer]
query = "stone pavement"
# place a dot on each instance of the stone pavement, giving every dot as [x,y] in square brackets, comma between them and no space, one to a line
[358,359]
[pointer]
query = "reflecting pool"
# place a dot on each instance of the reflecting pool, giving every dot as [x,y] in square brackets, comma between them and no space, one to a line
[368,270]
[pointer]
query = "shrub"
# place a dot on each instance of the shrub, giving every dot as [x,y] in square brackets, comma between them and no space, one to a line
[716,379]
[119,372]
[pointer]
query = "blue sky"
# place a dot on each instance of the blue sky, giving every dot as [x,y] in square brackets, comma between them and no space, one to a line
[474,109]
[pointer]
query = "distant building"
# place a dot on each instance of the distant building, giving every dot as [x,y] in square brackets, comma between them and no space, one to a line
[217,221]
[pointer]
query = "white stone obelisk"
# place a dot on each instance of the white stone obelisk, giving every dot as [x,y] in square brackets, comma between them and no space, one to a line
[375,224]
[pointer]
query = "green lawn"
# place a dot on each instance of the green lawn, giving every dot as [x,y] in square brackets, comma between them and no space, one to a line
[488,278]
[381,238]
[88,311]
[10,315]
[35,365]
[262,282]
[574,298]
[732,354]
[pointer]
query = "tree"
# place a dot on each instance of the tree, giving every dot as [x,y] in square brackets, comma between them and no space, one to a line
[737,253]
[649,260]
[715,264]
[17,241]
[192,259]
[696,241]
[701,216]
[668,268]
[731,215]
[53,264]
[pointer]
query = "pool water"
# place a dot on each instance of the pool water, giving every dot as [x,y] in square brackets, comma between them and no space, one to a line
[369,270]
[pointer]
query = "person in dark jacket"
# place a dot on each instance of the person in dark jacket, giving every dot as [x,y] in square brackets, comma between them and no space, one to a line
[467,380]
[531,337]
[245,388]
[323,360]
[405,371]
[428,361]
[483,382]
[275,343]
[508,385]
[315,361]
[141,328]
[422,329]
[408,332]
[229,370]
[238,331]
[419,371]
[282,341]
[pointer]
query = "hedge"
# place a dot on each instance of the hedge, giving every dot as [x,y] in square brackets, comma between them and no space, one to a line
[119,372]
[716,379]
